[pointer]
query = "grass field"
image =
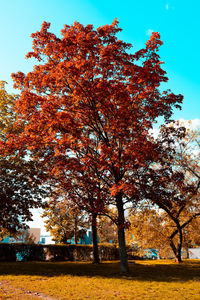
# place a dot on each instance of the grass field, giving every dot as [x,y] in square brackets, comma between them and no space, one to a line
[82,280]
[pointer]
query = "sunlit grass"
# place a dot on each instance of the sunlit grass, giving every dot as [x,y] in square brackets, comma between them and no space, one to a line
[81,280]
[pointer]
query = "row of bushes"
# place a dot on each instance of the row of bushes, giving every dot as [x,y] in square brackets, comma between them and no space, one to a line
[31,252]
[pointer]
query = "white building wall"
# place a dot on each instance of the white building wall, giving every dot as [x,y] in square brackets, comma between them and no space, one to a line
[48,240]
[194,253]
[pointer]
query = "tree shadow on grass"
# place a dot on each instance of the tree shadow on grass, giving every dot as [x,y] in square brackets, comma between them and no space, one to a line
[160,271]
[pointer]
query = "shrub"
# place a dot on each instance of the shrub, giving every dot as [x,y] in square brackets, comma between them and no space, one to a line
[33,252]
[29,252]
[108,251]
[7,252]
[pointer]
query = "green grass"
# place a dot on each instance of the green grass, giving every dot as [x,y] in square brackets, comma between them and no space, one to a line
[82,280]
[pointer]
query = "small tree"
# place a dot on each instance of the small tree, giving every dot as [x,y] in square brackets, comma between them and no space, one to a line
[65,221]
[153,228]
[173,185]
[107,230]
[149,229]
[83,187]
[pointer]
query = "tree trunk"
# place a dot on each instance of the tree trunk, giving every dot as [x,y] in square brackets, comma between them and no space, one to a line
[187,252]
[180,243]
[94,239]
[121,235]
[176,250]
[178,257]
[75,230]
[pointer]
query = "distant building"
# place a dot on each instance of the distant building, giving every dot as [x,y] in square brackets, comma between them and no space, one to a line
[34,234]
[46,239]
[29,235]
[194,253]
[86,240]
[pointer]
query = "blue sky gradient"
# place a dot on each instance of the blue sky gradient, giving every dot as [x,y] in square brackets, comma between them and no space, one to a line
[177,21]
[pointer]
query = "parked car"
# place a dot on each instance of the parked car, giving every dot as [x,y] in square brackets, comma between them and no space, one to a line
[150,254]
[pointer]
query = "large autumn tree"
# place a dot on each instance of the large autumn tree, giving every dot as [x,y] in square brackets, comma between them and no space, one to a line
[88,90]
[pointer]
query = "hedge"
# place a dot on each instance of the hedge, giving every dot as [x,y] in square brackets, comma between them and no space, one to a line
[36,252]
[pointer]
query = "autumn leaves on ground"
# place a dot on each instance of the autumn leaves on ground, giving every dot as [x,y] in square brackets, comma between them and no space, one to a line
[162,279]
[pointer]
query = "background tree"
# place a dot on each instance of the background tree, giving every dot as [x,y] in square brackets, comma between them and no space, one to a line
[21,188]
[81,186]
[150,228]
[87,89]
[107,230]
[153,228]
[65,221]
[191,235]
[173,185]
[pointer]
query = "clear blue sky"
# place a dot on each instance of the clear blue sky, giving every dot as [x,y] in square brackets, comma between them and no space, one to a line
[177,21]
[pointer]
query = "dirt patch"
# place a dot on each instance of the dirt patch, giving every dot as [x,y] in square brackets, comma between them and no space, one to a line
[7,291]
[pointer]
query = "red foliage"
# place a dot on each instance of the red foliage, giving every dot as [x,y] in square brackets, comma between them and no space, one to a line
[89,100]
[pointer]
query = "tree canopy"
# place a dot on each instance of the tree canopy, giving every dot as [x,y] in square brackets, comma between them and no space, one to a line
[87,94]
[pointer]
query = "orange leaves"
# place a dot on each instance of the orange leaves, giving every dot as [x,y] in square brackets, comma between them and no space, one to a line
[45,26]
[109,30]
[91,99]
[154,42]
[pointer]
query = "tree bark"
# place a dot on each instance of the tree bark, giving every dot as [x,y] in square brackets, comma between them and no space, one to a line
[177,250]
[178,258]
[180,243]
[121,235]
[94,239]
[75,230]
[187,251]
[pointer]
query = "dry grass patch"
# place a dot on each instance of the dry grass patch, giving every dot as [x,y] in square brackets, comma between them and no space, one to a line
[81,280]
